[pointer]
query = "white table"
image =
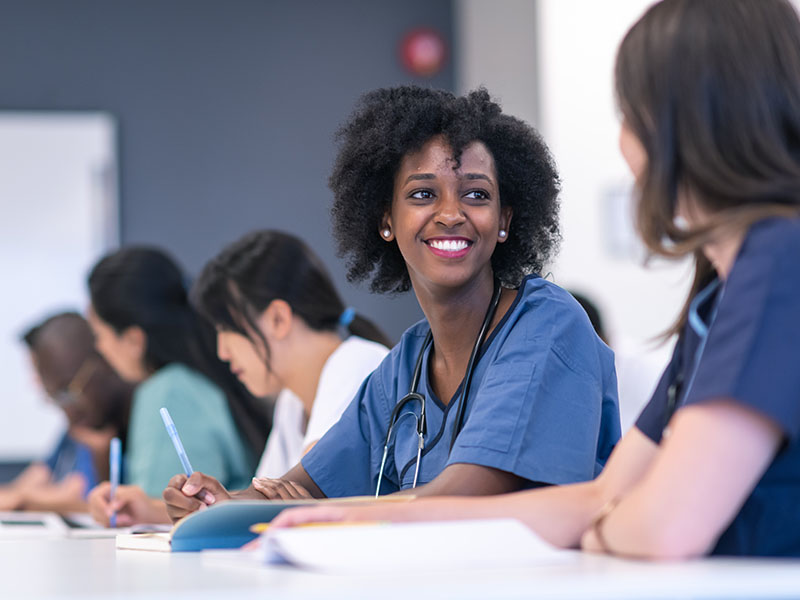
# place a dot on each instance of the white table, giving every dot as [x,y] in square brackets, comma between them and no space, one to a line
[93,568]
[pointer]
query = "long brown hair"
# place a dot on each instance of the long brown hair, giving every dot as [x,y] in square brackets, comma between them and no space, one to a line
[711,89]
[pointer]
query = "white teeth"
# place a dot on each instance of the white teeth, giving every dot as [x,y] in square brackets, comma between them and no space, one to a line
[449,245]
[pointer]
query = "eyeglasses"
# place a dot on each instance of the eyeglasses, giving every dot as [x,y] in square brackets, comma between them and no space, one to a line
[69,394]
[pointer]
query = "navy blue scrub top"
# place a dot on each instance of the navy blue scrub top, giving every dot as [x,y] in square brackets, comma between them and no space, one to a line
[542,405]
[751,355]
[70,456]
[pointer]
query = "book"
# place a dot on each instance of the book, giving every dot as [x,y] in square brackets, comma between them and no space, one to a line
[411,547]
[228,524]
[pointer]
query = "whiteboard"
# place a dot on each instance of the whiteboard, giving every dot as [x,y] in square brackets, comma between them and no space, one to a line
[59,213]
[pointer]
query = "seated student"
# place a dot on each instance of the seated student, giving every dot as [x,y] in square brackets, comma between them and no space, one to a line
[94,400]
[146,329]
[279,319]
[450,197]
[279,323]
[710,98]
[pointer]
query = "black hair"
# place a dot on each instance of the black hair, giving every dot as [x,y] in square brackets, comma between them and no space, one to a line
[144,287]
[239,284]
[390,123]
[712,91]
[595,318]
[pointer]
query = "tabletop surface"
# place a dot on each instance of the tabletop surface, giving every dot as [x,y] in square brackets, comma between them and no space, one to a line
[94,568]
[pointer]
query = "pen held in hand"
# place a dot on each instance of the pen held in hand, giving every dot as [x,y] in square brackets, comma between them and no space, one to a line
[114,463]
[176,441]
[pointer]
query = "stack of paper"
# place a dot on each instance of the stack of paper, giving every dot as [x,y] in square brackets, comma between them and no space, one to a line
[362,548]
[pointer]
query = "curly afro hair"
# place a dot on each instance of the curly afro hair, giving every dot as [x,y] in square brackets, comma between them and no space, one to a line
[389,123]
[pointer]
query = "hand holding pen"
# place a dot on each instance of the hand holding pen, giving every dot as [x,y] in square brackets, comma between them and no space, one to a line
[194,490]
[114,466]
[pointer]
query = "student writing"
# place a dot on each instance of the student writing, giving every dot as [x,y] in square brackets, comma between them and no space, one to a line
[147,330]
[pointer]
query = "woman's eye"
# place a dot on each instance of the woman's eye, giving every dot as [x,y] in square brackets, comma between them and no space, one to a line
[422,195]
[477,195]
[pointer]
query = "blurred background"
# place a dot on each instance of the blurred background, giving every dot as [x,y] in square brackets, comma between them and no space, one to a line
[187,123]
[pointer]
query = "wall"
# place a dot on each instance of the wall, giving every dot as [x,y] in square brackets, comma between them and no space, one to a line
[226,110]
[225,113]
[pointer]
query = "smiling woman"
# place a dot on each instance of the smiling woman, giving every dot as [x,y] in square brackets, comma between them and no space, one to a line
[450,197]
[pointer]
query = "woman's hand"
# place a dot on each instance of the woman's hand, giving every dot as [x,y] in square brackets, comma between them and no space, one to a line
[590,543]
[184,495]
[10,498]
[130,503]
[280,489]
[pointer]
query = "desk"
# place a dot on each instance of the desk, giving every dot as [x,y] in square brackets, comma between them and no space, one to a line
[93,568]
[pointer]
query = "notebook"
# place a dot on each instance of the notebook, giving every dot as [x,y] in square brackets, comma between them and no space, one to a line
[411,547]
[224,525]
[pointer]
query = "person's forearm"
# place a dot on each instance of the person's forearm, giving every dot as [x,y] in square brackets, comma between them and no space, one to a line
[51,500]
[298,475]
[558,514]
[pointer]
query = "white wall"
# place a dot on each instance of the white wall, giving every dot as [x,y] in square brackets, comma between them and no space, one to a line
[58,204]
[567,60]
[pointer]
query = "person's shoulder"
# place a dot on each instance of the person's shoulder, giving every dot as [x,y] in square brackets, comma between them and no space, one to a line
[539,298]
[412,339]
[770,253]
[774,237]
[552,320]
[177,378]
[355,348]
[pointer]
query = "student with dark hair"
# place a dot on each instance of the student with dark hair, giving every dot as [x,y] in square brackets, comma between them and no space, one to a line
[147,330]
[280,321]
[709,93]
[504,385]
[96,403]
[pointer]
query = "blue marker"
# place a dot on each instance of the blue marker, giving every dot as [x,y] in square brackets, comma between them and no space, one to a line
[176,441]
[114,460]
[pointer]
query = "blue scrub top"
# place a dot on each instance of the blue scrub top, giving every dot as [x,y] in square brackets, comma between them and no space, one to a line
[751,355]
[542,405]
[70,456]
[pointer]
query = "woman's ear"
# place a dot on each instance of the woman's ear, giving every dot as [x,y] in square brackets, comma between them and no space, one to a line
[386,231]
[134,342]
[506,212]
[276,320]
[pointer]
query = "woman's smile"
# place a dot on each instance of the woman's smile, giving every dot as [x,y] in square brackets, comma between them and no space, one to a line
[449,247]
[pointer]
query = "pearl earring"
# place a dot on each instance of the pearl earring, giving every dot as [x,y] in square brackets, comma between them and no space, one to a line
[502,233]
[386,233]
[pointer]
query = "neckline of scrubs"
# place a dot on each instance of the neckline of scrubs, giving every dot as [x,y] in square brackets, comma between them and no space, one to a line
[429,391]
[484,347]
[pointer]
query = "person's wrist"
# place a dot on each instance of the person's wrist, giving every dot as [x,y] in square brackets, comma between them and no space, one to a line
[596,526]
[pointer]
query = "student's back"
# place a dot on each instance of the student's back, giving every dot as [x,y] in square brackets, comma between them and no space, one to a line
[201,415]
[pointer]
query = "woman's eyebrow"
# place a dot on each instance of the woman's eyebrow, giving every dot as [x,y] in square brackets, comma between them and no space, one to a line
[477,176]
[420,176]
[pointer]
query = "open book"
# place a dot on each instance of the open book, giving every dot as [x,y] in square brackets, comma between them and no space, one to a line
[411,547]
[228,524]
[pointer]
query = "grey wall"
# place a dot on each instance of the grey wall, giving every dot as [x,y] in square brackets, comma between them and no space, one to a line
[226,109]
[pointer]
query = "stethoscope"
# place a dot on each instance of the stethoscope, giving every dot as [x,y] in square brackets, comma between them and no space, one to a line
[676,389]
[414,396]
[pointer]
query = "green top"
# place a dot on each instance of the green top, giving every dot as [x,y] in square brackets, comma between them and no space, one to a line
[204,423]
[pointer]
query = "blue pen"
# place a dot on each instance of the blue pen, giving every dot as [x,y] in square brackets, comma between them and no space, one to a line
[114,460]
[176,441]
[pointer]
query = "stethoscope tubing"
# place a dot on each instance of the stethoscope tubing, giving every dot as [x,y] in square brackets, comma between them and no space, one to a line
[414,396]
